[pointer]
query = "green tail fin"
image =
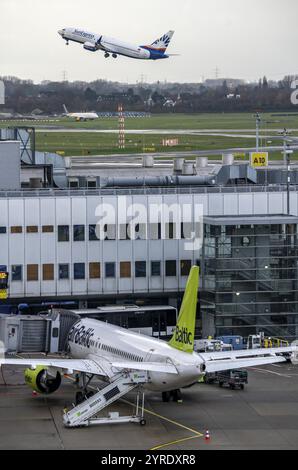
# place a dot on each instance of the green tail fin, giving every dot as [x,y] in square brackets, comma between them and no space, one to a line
[183,337]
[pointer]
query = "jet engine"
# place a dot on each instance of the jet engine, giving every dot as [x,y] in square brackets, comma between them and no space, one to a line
[90,46]
[41,381]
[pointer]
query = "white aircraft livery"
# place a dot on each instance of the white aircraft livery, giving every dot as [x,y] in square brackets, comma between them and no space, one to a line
[114,47]
[125,360]
[87,116]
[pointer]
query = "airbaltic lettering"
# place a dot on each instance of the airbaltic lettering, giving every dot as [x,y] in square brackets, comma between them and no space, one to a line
[81,336]
[83,34]
[183,336]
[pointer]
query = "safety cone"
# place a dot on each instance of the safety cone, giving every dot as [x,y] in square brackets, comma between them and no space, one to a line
[34,393]
[207,436]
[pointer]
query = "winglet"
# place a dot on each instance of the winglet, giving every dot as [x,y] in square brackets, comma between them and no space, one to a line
[183,337]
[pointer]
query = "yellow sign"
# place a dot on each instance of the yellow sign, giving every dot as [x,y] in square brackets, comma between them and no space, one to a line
[259,159]
[3,275]
[3,294]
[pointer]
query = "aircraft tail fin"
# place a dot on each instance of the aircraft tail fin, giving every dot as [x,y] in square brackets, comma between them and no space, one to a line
[162,43]
[183,337]
[65,109]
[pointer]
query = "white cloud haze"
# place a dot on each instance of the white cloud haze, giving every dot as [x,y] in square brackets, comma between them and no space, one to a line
[244,38]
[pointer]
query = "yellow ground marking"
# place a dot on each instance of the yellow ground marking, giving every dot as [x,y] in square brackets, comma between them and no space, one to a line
[197,434]
[175,442]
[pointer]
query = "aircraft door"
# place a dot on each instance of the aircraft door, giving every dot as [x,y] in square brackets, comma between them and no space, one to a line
[12,337]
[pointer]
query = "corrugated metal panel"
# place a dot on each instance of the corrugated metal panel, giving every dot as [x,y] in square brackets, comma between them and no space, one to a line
[34,336]
[67,319]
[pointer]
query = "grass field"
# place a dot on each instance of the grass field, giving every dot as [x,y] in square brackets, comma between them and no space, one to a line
[81,143]
[175,121]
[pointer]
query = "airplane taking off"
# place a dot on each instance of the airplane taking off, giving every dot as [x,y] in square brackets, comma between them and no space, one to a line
[127,360]
[80,116]
[110,46]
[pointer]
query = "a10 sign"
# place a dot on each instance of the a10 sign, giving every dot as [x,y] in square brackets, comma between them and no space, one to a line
[259,159]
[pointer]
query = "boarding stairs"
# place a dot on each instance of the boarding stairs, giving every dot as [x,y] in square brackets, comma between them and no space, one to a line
[85,413]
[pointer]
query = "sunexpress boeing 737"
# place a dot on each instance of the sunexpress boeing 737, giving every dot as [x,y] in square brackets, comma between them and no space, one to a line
[114,47]
[125,360]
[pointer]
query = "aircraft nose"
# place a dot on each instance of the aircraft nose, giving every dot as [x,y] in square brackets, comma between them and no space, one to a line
[61,32]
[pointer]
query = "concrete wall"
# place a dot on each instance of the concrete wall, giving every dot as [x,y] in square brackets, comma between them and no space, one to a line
[9,165]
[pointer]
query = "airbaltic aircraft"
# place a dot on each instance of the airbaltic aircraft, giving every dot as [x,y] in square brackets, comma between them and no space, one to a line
[105,351]
[110,46]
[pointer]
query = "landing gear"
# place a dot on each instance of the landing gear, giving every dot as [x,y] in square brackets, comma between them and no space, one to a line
[107,55]
[80,397]
[166,396]
[114,56]
[176,395]
[67,43]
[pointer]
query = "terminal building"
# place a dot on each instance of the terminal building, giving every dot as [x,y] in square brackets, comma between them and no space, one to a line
[245,222]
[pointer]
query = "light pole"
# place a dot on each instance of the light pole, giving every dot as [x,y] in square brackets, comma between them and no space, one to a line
[287,159]
[258,123]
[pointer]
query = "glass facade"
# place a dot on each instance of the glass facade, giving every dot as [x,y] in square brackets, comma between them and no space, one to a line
[249,279]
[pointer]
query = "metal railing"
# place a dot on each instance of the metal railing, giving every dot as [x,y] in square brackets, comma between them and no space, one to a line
[49,192]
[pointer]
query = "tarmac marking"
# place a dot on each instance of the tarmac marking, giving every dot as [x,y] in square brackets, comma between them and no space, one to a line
[175,442]
[265,371]
[197,434]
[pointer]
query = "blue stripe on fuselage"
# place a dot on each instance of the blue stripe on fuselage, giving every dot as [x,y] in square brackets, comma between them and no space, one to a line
[155,54]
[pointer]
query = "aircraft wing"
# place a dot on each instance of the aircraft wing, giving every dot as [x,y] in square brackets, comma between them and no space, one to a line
[221,365]
[247,353]
[225,360]
[100,367]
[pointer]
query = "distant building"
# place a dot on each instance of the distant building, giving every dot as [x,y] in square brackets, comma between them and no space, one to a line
[218,82]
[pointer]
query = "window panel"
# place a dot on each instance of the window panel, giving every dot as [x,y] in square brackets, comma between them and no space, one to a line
[47,229]
[140,269]
[63,271]
[155,268]
[125,269]
[48,272]
[16,229]
[94,270]
[171,268]
[17,272]
[109,270]
[63,233]
[110,232]
[32,229]
[79,271]
[185,266]
[155,231]
[124,232]
[32,272]
[92,233]
[79,233]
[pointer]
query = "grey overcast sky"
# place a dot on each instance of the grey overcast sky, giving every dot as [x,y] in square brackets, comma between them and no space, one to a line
[243,38]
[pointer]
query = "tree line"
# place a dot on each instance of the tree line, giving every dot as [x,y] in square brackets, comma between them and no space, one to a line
[25,96]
